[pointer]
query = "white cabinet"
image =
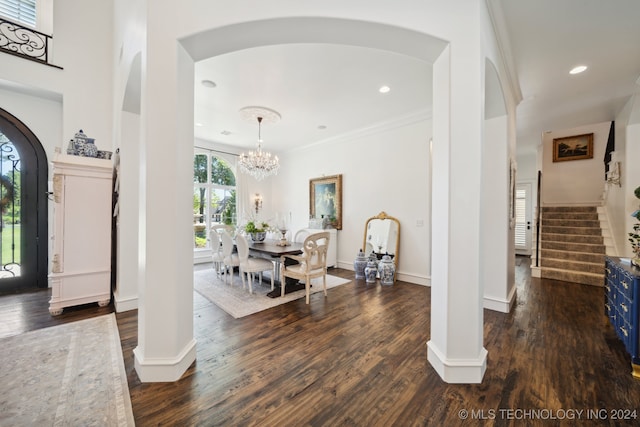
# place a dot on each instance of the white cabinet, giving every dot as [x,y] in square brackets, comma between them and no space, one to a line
[81,250]
[332,252]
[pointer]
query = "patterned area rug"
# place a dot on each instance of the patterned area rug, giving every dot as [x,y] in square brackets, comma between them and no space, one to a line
[239,302]
[66,375]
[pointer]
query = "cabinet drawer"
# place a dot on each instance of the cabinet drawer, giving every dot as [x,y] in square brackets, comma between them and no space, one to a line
[626,280]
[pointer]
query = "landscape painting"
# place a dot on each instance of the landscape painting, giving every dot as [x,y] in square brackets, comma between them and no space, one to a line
[576,147]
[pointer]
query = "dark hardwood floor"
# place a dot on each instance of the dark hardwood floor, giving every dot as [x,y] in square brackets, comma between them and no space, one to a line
[359,358]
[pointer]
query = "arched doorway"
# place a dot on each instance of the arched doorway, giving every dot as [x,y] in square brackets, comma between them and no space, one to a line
[23,176]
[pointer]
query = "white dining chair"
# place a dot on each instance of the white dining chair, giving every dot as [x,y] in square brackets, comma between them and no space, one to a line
[216,251]
[250,265]
[229,258]
[312,263]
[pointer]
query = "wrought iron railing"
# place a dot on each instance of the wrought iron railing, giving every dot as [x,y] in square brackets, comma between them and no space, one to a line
[24,42]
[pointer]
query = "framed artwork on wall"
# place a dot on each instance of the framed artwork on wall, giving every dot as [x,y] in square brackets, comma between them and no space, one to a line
[325,199]
[575,147]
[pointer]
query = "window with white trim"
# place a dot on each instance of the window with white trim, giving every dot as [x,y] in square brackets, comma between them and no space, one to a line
[20,11]
[214,195]
[37,14]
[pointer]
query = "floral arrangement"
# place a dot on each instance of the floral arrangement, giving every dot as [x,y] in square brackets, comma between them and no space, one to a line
[256,227]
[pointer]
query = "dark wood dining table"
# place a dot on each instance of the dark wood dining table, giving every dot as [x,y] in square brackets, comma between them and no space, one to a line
[270,249]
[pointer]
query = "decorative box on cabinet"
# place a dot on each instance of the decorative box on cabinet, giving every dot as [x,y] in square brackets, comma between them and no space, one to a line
[622,306]
[332,252]
[81,250]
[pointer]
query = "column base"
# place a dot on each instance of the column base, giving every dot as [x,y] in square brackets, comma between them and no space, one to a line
[457,371]
[164,369]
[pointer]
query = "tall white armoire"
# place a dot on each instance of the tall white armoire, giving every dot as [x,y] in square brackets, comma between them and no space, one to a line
[81,252]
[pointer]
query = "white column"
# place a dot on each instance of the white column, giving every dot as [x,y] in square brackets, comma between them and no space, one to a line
[455,349]
[166,346]
[497,237]
[126,292]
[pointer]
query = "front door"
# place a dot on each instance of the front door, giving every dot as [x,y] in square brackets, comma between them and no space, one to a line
[23,207]
[523,219]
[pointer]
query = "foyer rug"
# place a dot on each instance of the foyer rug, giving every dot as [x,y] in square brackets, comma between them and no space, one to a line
[239,302]
[66,375]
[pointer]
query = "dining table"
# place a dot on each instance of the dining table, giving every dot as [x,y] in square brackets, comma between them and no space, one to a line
[273,250]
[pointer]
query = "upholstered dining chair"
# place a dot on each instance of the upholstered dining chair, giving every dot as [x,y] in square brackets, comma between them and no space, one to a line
[250,265]
[229,258]
[312,263]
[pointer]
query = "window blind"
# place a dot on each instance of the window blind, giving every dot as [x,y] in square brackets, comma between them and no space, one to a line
[521,226]
[21,11]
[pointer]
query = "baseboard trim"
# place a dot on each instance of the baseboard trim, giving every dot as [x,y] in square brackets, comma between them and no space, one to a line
[124,304]
[164,369]
[457,371]
[501,305]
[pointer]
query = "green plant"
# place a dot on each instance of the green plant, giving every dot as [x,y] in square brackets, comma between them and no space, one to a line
[634,238]
[251,227]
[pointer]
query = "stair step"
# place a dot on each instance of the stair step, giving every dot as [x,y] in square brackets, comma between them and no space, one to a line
[574,247]
[581,209]
[572,256]
[591,231]
[578,266]
[584,278]
[591,216]
[565,222]
[575,238]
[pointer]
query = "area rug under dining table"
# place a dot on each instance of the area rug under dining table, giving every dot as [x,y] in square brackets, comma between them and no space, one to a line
[67,375]
[238,302]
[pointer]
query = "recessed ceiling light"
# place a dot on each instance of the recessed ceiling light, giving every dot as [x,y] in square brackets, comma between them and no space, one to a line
[577,70]
[199,125]
[208,83]
[384,89]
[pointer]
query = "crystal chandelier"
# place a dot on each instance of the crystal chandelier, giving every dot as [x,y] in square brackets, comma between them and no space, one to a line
[259,164]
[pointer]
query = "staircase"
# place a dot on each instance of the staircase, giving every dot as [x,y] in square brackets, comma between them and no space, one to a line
[572,246]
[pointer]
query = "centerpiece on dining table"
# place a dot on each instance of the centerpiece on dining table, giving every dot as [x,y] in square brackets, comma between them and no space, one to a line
[257,230]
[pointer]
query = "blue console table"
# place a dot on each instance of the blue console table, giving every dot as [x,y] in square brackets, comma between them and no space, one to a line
[622,301]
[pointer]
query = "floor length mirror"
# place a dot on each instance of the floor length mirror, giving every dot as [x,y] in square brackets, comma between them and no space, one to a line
[382,236]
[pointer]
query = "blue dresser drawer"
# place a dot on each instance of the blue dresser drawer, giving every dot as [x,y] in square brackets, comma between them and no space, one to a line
[622,302]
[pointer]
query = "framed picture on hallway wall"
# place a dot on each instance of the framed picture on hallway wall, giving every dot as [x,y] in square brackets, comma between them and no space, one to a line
[325,199]
[575,147]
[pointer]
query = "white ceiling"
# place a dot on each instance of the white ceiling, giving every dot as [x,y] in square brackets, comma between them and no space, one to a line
[336,86]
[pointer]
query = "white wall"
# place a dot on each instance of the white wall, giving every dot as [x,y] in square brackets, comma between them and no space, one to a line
[631,171]
[41,112]
[382,171]
[576,182]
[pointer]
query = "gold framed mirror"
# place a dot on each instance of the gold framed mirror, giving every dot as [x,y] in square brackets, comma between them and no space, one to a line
[382,236]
